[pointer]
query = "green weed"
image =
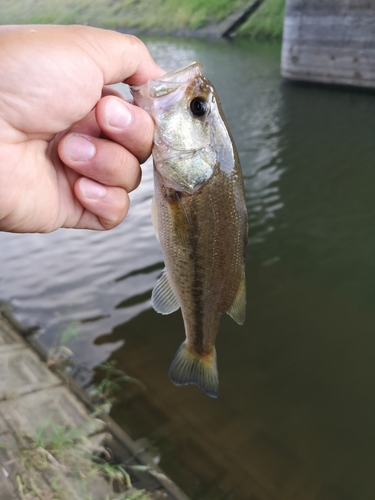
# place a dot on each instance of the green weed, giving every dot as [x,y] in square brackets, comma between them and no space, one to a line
[103,394]
[60,355]
[68,452]
[64,451]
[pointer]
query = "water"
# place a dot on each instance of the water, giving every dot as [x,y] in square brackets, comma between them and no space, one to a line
[295,417]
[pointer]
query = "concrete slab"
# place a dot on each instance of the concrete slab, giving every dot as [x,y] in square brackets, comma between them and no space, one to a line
[7,468]
[3,426]
[329,42]
[39,475]
[51,407]
[37,407]
[21,372]
[8,336]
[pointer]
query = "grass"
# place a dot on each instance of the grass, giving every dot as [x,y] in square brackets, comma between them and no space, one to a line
[60,355]
[144,14]
[64,452]
[266,22]
[61,453]
[103,394]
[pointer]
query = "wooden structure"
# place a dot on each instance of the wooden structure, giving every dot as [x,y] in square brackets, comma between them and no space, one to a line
[329,41]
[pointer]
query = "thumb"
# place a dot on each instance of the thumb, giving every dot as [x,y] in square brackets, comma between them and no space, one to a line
[122,58]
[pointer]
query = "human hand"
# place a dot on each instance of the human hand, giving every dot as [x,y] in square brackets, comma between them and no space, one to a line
[69,150]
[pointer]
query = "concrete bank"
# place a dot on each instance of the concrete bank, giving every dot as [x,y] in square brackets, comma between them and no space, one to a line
[329,42]
[52,445]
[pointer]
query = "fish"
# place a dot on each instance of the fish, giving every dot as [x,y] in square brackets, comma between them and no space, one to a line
[199,215]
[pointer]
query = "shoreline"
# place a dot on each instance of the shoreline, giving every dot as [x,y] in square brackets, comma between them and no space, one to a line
[35,398]
[253,19]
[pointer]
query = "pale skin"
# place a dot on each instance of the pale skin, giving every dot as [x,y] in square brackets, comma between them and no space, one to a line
[70,148]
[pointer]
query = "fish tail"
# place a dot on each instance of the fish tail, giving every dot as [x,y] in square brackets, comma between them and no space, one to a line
[189,367]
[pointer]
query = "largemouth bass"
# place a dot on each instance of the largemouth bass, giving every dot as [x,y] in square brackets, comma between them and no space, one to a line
[199,215]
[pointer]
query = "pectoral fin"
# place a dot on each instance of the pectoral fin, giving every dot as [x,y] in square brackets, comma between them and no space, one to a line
[237,310]
[163,298]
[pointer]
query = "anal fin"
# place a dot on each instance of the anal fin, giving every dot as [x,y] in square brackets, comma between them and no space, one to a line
[163,298]
[237,310]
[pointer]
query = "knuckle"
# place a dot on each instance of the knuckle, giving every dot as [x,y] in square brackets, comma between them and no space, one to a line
[117,211]
[137,43]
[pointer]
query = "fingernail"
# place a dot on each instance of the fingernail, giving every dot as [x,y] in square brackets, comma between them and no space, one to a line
[118,115]
[79,148]
[91,189]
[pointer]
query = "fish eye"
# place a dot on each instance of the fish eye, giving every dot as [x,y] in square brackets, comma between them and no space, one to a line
[198,106]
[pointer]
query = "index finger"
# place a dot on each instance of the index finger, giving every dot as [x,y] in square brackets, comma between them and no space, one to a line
[121,57]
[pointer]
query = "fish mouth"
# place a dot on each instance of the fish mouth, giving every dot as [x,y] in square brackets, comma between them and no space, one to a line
[177,77]
[168,83]
[181,75]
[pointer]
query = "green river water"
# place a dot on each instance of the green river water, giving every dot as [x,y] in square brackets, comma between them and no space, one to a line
[295,419]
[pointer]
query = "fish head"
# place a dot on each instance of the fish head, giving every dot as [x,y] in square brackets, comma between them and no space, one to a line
[189,128]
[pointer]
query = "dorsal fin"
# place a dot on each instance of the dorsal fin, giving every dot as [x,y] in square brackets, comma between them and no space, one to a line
[237,310]
[163,298]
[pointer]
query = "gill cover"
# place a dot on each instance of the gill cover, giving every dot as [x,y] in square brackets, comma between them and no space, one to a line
[180,103]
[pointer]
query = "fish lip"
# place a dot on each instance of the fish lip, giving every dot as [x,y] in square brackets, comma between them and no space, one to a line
[184,74]
[179,76]
[168,83]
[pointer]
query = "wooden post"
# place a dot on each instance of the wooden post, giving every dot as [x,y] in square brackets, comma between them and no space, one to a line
[329,41]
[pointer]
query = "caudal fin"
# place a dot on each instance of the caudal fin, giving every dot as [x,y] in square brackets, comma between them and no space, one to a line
[190,368]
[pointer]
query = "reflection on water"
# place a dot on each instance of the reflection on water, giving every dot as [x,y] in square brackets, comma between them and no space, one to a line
[72,275]
[295,417]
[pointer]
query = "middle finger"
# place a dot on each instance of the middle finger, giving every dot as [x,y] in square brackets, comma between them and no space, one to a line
[101,160]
